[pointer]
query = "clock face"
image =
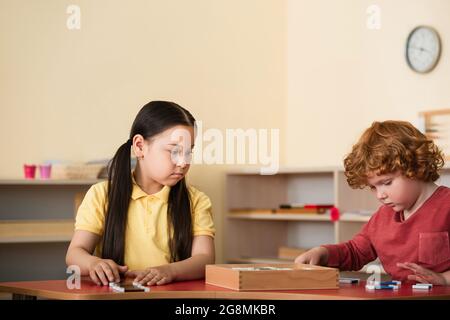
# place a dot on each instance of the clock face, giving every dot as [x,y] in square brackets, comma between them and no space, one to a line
[423,49]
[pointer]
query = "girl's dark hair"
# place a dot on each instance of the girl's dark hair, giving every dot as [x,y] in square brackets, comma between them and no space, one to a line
[154,118]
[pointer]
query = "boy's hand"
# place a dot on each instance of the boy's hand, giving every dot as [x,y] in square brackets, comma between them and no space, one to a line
[316,256]
[154,275]
[103,271]
[422,274]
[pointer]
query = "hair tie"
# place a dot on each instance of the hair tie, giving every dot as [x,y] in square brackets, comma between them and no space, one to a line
[129,142]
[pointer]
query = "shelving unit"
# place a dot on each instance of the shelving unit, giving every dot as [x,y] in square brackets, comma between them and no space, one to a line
[29,231]
[280,217]
[36,226]
[255,237]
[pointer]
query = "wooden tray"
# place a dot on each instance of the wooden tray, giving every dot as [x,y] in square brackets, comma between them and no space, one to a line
[266,276]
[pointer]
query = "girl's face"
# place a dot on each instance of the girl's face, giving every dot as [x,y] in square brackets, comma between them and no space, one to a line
[167,156]
[395,190]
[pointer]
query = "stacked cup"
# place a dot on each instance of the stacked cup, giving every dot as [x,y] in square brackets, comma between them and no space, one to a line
[44,171]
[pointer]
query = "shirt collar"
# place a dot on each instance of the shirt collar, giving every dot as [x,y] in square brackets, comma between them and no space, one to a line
[137,192]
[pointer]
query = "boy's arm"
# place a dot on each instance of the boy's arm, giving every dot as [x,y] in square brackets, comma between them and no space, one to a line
[353,254]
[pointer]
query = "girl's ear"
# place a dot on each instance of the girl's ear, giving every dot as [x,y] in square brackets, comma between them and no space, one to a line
[138,146]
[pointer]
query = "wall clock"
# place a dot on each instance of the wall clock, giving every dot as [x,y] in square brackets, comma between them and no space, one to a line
[423,49]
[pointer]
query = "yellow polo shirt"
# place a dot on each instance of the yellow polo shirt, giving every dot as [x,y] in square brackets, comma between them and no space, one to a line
[146,237]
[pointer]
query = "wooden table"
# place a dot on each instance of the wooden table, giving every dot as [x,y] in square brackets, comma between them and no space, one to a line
[57,289]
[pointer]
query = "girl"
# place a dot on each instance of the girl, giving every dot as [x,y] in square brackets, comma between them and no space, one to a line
[147,223]
[410,231]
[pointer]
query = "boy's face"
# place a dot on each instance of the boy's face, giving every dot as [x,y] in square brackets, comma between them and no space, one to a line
[395,190]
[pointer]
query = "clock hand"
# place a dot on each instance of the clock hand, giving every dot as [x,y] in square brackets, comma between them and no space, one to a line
[419,48]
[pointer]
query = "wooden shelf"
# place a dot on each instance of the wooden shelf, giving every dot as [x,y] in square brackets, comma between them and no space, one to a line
[280,217]
[52,182]
[37,220]
[28,231]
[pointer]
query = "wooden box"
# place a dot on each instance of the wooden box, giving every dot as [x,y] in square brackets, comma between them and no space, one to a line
[271,276]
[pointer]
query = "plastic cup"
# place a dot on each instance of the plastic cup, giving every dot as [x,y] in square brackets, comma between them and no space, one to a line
[29,170]
[45,171]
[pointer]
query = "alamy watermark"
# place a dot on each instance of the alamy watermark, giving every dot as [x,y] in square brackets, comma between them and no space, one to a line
[373,21]
[251,146]
[375,270]
[74,280]
[73,21]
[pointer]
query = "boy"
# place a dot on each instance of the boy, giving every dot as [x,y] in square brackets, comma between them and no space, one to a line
[410,231]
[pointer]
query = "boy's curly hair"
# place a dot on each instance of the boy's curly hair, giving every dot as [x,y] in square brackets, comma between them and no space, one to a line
[389,146]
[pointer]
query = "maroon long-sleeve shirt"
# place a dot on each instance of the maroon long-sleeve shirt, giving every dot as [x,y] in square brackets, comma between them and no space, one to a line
[423,238]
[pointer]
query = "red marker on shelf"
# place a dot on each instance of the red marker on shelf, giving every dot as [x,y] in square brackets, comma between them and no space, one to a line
[334,214]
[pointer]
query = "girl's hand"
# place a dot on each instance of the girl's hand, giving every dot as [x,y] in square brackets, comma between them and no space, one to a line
[422,274]
[103,271]
[316,256]
[151,276]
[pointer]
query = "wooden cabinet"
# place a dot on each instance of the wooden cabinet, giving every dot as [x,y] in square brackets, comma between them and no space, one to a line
[36,226]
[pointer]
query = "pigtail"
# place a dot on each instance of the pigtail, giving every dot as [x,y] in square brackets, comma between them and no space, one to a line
[180,222]
[120,186]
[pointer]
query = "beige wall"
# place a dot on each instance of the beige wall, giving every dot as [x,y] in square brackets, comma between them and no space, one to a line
[308,67]
[342,76]
[72,95]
